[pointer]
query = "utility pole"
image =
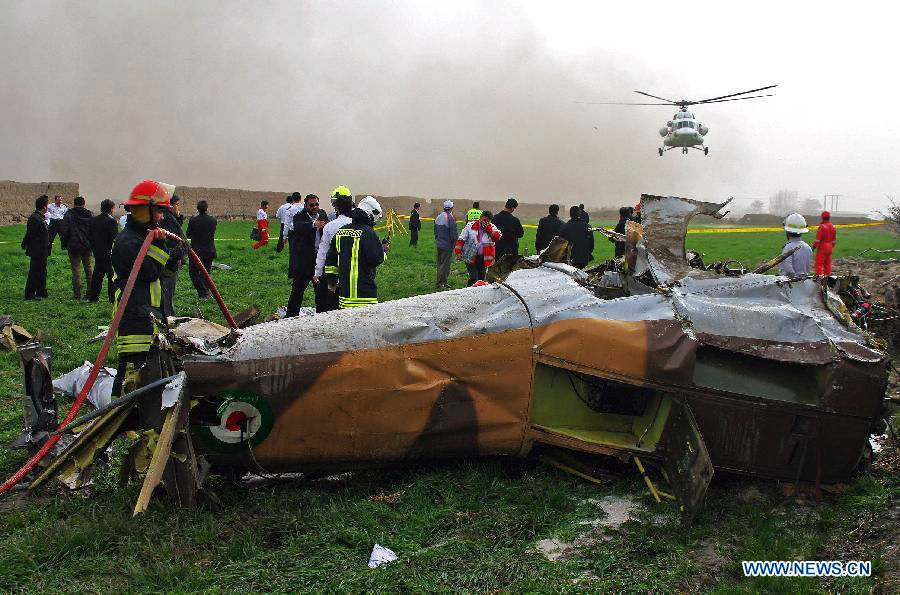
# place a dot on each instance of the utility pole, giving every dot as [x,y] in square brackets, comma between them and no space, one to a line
[834,202]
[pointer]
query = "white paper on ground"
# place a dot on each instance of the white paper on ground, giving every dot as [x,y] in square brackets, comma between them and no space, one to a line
[381,555]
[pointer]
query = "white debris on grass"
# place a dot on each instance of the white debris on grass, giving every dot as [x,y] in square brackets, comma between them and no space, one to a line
[381,555]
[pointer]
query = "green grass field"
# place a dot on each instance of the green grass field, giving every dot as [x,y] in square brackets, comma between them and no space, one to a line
[469,525]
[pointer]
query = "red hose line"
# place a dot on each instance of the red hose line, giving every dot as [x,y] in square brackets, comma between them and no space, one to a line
[104,350]
[101,357]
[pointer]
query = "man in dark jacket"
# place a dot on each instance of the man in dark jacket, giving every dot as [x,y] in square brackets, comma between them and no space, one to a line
[306,232]
[103,230]
[548,228]
[580,238]
[415,224]
[75,235]
[201,230]
[583,215]
[624,216]
[36,245]
[511,229]
[177,255]
[353,256]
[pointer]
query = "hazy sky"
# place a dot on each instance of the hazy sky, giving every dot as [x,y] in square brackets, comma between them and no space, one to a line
[460,99]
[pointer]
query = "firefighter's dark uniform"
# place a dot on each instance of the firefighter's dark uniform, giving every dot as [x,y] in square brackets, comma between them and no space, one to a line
[354,254]
[137,327]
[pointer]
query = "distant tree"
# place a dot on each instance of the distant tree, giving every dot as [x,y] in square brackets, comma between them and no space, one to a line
[810,206]
[892,216]
[757,206]
[783,202]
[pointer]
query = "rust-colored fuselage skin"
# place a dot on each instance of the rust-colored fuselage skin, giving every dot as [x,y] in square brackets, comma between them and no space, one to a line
[473,396]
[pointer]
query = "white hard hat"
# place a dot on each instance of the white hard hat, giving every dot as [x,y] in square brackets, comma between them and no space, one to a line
[371,207]
[795,223]
[448,204]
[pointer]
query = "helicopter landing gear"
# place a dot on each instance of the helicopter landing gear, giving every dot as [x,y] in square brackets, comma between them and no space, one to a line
[660,152]
[706,150]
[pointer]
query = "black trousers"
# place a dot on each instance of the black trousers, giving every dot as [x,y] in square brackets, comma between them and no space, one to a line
[413,237]
[54,226]
[36,284]
[197,277]
[168,294]
[102,268]
[135,359]
[326,300]
[298,288]
[476,271]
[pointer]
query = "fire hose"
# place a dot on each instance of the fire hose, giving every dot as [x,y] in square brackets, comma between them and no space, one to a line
[104,350]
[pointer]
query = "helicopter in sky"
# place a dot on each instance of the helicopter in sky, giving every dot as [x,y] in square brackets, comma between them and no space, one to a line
[683,130]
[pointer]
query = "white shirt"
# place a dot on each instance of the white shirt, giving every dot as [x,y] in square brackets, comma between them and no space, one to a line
[261,215]
[328,232]
[123,220]
[295,209]
[56,212]
[282,211]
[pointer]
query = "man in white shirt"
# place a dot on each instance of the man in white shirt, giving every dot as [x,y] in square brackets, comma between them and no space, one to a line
[281,215]
[55,213]
[344,204]
[124,218]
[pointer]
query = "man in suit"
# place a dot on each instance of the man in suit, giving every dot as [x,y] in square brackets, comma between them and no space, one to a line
[511,229]
[201,230]
[103,230]
[36,245]
[177,254]
[581,241]
[548,228]
[415,224]
[306,233]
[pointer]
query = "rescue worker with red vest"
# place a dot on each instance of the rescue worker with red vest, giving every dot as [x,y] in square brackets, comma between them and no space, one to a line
[475,246]
[147,203]
[353,256]
[823,246]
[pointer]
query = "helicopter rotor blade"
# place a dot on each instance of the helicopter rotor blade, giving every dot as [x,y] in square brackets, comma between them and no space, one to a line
[617,103]
[733,99]
[733,94]
[655,97]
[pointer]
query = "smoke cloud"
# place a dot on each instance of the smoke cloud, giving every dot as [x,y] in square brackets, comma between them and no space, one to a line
[458,99]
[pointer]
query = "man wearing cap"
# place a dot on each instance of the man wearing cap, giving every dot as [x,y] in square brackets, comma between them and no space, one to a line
[445,235]
[826,238]
[797,264]
[147,203]
[343,202]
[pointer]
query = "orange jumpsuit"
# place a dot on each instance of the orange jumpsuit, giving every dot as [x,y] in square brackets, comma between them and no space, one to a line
[824,246]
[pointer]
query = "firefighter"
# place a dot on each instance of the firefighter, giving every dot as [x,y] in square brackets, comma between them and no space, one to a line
[147,203]
[354,254]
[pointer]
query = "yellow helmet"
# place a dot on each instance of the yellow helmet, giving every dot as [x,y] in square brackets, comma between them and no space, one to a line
[341,192]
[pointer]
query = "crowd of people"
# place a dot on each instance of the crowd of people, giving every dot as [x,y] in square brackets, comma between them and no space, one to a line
[337,253]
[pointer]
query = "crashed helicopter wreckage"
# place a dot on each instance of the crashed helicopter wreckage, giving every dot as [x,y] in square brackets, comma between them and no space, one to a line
[647,357]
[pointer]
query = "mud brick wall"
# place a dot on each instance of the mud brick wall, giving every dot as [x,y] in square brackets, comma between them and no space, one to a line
[17,198]
[229,203]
